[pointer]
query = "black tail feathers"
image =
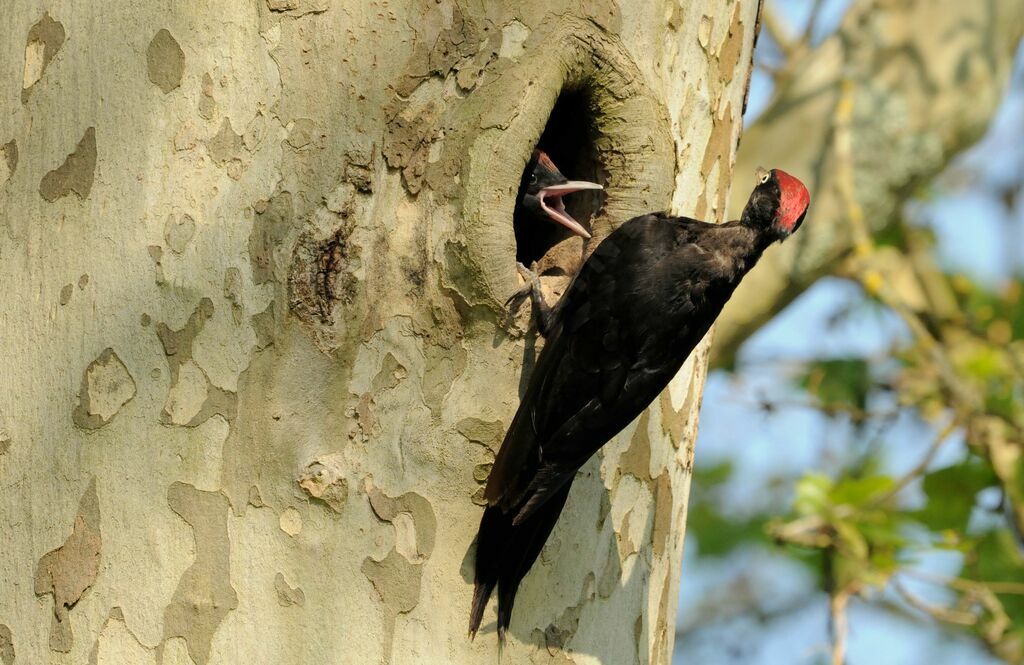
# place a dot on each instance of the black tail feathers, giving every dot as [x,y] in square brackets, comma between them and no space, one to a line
[505,552]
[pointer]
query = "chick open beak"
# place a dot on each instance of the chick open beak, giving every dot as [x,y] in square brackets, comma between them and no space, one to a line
[551,203]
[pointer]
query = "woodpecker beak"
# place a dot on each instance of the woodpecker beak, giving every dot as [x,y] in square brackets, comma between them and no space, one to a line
[551,203]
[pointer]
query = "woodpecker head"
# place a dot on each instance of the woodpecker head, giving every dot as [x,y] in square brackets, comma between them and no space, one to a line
[544,187]
[778,203]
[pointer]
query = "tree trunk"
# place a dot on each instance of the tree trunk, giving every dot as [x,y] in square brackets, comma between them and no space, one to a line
[255,359]
[924,78]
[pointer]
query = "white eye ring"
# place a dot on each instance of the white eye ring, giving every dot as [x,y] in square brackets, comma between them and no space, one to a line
[765,177]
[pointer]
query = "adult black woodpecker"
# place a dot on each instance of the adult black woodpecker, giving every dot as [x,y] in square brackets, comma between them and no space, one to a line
[540,198]
[638,306]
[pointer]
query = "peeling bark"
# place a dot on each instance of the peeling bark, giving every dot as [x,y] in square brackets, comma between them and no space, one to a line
[292,233]
[68,571]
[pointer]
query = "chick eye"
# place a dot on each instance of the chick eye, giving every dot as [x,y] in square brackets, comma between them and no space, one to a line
[533,179]
[765,177]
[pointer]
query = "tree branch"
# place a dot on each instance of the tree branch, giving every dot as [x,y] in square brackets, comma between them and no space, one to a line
[910,118]
[838,625]
[778,31]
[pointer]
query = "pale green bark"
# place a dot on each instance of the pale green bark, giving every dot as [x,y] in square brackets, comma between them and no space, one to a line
[253,358]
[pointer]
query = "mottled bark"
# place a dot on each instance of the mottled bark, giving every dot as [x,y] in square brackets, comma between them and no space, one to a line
[254,360]
[925,77]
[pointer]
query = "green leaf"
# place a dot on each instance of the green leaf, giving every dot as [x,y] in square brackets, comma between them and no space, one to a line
[718,535]
[951,494]
[999,560]
[884,531]
[712,476]
[812,494]
[859,491]
[852,542]
[839,382]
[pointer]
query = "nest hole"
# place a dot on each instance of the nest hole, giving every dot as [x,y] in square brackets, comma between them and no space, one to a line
[569,139]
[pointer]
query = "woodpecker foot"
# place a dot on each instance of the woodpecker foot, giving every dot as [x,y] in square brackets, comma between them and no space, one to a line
[543,313]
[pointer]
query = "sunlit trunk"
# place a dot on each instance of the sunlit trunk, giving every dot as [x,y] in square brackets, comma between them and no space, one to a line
[255,362]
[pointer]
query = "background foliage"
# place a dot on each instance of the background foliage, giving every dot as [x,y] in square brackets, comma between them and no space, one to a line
[859,489]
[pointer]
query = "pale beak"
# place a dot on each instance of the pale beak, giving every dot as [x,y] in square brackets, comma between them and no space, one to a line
[556,211]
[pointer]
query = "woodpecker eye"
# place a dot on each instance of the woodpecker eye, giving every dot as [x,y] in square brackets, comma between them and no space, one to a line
[533,179]
[765,177]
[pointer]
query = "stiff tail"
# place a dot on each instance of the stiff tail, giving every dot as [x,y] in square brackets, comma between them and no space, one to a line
[505,552]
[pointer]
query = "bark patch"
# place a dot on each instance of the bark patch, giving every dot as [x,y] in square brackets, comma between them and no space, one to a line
[660,649]
[636,461]
[674,421]
[263,324]
[270,228]
[76,174]
[414,535]
[44,40]
[445,362]
[731,48]
[207,104]
[611,574]
[9,161]
[560,632]
[325,483]
[116,643]
[106,387]
[6,645]
[487,433]
[290,521]
[288,595]
[193,398]
[68,571]
[717,151]
[391,373]
[323,276]
[298,7]
[178,231]
[156,252]
[302,133]
[226,149]
[397,583]
[165,61]
[662,515]
[204,595]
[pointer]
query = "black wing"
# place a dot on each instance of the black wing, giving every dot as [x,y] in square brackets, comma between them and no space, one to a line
[624,327]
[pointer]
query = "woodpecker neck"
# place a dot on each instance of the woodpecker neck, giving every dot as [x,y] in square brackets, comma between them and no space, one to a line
[741,243]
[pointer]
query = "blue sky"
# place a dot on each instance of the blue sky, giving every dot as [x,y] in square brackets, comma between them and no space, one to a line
[972,227]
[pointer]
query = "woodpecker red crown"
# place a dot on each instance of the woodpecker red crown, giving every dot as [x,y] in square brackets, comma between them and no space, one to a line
[794,199]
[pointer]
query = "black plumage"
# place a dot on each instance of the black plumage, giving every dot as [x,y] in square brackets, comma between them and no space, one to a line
[629,319]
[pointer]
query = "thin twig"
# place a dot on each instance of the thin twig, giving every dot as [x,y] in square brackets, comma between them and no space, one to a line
[946,614]
[808,531]
[778,31]
[874,282]
[812,22]
[961,584]
[838,625]
[940,437]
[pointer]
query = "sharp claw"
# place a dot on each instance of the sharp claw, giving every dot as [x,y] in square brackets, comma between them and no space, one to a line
[517,298]
[530,275]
